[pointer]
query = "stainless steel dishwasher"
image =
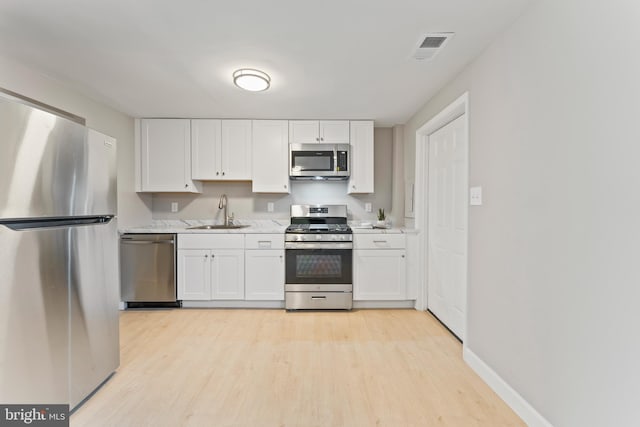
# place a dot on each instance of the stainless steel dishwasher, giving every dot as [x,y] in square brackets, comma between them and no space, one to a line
[148,269]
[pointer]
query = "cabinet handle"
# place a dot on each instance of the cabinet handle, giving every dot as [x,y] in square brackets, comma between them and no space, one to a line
[379,241]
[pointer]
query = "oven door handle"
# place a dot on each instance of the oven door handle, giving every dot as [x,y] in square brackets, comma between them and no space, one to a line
[311,245]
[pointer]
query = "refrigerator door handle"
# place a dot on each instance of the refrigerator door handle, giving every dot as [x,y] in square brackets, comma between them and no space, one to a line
[22,224]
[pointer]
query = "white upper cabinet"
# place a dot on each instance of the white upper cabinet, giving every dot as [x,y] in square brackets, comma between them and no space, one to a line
[163,156]
[362,160]
[334,132]
[319,131]
[270,148]
[205,149]
[221,149]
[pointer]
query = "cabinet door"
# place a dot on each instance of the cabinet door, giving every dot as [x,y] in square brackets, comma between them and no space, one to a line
[194,274]
[235,151]
[379,274]
[362,160]
[227,274]
[270,148]
[334,132]
[264,275]
[304,131]
[165,155]
[205,149]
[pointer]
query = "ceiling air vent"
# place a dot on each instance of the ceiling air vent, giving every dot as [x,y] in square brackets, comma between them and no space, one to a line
[431,44]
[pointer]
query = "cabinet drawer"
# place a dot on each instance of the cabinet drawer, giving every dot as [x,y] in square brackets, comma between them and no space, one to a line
[210,241]
[379,241]
[264,241]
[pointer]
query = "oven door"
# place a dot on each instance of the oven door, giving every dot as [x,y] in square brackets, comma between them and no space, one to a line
[311,264]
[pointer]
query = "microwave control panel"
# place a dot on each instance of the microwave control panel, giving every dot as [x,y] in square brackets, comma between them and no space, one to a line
[343,161]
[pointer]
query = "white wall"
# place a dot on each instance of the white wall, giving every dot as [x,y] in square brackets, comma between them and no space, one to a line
[246,204]
[554,282]
[132,208]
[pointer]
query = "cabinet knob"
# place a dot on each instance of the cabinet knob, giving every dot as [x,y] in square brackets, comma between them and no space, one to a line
[285,186]
[402,256]
[321,139]
[217,173]
[223,173]
[186,186]
[206,256]
[353,186]
[317,139]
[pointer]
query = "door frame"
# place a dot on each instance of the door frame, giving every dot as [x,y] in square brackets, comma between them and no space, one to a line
[458,108]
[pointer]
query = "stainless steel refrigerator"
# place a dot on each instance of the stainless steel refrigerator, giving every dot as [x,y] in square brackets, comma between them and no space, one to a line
[59,290]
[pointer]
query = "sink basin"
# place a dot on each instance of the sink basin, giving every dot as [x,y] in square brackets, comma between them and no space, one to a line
[216,227]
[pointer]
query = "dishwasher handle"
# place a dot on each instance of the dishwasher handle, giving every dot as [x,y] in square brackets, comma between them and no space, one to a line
[146,242]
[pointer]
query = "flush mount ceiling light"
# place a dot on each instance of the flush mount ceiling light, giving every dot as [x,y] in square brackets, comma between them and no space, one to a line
[252,80]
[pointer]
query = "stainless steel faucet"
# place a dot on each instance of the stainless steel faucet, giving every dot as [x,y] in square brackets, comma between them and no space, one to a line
[222,204]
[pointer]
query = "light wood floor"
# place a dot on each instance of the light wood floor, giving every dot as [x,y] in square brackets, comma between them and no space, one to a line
[272,368]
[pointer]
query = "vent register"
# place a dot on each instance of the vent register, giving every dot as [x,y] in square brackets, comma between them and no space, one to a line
[430,45]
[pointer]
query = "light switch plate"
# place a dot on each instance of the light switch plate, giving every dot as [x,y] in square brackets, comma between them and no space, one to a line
[270,207]
[174,206]
[367,207]
[475,196]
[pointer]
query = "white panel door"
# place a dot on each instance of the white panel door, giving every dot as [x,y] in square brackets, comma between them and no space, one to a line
[235,150]
[227,274]
[447,270]
[264,275]
[194,274]
[270,147]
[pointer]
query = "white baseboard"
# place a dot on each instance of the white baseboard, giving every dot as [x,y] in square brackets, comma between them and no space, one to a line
[511,397]
[232,304]
[384,304]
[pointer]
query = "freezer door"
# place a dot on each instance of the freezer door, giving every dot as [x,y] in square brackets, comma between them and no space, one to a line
[34,338]
[94,299]
[53,167]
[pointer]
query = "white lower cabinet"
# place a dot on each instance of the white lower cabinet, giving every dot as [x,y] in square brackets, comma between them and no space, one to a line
[210,267]
[194,274]
[264,267]
[264,275]
[379,267]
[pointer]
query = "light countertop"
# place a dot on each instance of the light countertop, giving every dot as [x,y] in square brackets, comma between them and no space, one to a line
[256,226]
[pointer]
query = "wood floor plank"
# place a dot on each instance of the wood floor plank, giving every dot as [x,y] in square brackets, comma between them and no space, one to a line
[218,367]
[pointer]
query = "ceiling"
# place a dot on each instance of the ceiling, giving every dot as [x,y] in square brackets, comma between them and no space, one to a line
[327,59]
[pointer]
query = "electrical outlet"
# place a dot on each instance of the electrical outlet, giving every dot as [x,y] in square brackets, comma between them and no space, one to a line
[367,207]
[270,207]
[174,206]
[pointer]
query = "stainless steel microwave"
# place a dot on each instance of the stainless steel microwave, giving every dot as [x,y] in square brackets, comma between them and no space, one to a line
[319,161]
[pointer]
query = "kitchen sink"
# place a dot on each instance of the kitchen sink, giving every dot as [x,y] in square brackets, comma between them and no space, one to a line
[216,227]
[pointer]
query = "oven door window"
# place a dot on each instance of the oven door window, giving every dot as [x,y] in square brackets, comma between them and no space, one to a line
[316,161]
[318,266]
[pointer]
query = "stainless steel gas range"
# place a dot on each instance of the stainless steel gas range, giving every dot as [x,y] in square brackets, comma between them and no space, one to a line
[318,258]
